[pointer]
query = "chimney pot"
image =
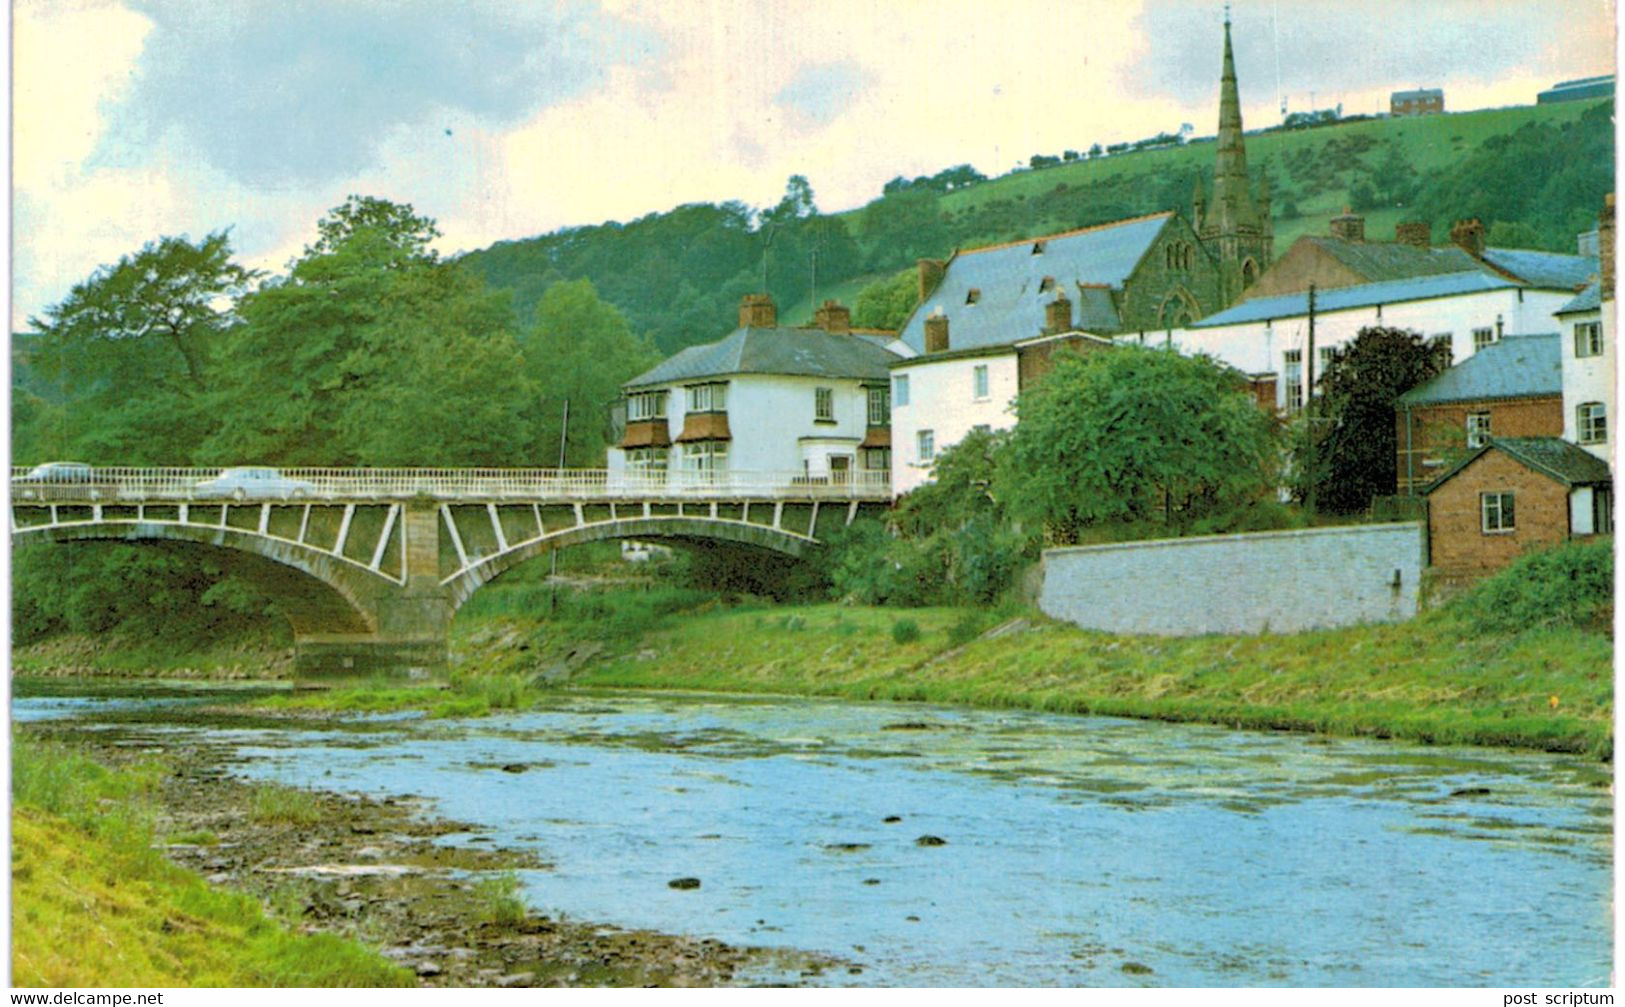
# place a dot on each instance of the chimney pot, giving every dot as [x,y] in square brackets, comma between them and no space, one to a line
[1348,226]
[1468,235]
[757,311]
[936,332]
[834,317]
[1416,233]
[930,273]
[1058,315]
[1605,247]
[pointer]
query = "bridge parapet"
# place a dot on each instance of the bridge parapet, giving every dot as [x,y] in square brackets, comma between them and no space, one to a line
[84,483]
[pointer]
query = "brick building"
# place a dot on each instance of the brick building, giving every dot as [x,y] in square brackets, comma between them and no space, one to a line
[1510,388]
[1417,101]
[1512,495]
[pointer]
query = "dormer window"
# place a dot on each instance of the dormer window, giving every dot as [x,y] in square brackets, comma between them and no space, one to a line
[1046,284]
[973,295]
[1038,248]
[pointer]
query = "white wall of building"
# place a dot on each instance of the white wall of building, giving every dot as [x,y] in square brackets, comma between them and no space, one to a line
[1260,347]
[1590,379]
[942,399]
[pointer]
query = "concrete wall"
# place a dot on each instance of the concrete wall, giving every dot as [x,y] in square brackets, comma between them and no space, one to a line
[1280,582]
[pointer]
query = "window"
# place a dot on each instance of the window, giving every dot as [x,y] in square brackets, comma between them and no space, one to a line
[1602,511]
[979,382]
[1478,429]
[927,444]
[1588,339]
[1046,284]
[1292,372]
[1038,248]
[1482,338]
[706,456]
[973,295]
[1497,511]
[711,398]
[1592,422]
[899,389]
[824,405]
[646,406]
[879,407]
[877,459]
[646,459]
[1323,358]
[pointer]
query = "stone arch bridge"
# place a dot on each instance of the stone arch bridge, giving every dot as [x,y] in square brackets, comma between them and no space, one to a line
[370,565]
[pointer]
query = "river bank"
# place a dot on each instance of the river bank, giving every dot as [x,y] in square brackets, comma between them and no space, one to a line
[137,864]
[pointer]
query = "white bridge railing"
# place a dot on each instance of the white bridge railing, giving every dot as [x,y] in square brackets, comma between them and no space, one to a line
[64,482]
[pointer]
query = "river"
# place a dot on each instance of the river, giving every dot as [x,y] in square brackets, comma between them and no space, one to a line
[942,846]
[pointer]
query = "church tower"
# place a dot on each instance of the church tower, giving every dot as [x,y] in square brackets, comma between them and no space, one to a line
[1233,227]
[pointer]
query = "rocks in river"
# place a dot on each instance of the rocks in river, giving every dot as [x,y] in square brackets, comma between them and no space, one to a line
[908,725]
[892,819]
[1136,969]
[929,840]
[1471,792]
[871,881]
[515,979]
[845,847]
[683,884]
[515,767]
[426,969]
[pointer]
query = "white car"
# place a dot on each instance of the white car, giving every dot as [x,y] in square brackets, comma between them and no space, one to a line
[61,481]
[253,481]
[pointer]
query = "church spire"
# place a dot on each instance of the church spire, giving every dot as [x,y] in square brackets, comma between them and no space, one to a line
[1232,205]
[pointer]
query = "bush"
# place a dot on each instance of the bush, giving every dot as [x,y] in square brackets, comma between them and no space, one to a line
[905,631]
[1570,585]
[969,627]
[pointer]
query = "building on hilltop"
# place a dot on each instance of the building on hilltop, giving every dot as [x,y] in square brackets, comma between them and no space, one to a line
[1418,101]
[765,400]
[1511,388]
[1578,90]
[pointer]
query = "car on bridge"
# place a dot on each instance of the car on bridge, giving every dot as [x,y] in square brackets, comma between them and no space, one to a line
[61,481]
[253,482]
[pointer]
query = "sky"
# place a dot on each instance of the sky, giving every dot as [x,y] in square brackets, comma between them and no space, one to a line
[138,119]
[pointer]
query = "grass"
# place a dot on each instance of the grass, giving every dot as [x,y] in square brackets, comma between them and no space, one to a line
[94,904]
[497,901]
[282,805]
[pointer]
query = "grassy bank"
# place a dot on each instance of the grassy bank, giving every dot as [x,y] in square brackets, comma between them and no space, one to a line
[93,903]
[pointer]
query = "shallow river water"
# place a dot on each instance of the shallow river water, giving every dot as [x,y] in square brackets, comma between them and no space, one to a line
[1075,850]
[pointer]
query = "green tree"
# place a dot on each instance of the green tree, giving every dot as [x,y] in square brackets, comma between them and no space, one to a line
[580,349]
[1346,448]
[887,303]
[1136,436]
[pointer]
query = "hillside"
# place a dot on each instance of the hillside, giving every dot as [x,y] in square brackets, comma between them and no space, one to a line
[1535,174]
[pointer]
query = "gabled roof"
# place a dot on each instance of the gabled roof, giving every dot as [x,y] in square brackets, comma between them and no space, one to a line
[1362,295]
[750,350]
[1511,368]
[1589,299]
[1378,261]
[1546,270]
[1087,265]
[1552,457]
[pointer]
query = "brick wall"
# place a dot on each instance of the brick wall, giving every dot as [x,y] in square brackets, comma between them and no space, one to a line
[1035,361]
[1304,263]
[1280,582]
[1460,547]
[1439,433]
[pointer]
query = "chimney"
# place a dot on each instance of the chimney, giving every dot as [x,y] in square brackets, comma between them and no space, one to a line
[1469,236]
[1605,246]
[834,317]
[757,311]
[931,271]
[1417,233]
[1058,314]
[936,332]
[1348,226]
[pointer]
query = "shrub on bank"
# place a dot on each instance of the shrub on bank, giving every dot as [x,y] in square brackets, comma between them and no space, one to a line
[1570,585]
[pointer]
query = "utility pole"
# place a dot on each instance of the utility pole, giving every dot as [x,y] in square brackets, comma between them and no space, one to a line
[1310,450]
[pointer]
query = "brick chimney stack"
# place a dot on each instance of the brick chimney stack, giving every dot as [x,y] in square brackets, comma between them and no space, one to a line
[757,311]
[1058,314]
[1605,246]
[1348,226]
[936,332]
[1469,236]
[1417,233]
[930,272]
[834,317]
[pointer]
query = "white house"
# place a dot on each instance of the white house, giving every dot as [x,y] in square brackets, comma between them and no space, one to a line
[1587,345]
[764,404]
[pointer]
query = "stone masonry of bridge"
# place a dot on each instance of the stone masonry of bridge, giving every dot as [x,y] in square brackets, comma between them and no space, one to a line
[370,584]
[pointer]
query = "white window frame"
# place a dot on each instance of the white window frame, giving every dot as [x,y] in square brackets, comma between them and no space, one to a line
[899,390]
[708,398]
[1292,380]
[1478,429]
[879,406]
[650,459]
[925,442]
[979,383]
[1498,512]
[872,455]
[705,456]
[1588,339]
[642,406]
[1591,423]
[1483,337]
[823,405]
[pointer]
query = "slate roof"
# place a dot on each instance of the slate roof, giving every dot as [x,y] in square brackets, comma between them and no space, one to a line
[1359,296]
[751,350]
[1378,261]
[1549,270]
[1589,299]
[1514,367]
[1553,457]
[1087,264]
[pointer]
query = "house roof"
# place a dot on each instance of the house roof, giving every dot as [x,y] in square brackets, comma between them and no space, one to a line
[1513,367]
[1548,270]
[1087,265]
[1589,299]
[1378,261]
[1552,457]
[1421,92]
[751,350]
[1362,295]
